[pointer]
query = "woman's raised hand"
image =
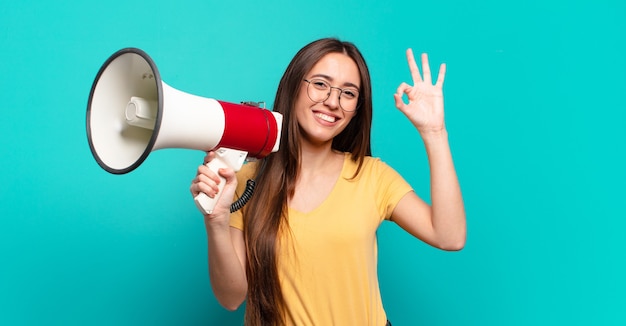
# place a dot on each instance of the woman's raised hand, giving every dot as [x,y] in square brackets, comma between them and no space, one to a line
[425,100]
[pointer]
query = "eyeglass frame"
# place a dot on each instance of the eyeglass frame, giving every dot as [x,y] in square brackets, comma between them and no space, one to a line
[341,91]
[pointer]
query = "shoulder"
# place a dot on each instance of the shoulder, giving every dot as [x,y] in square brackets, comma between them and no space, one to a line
[247,172]
[378,182]
[372,166]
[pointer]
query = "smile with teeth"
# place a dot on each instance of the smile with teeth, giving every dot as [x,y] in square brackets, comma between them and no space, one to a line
[325,117]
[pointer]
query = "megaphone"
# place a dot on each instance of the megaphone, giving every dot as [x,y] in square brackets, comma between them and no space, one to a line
[132,112]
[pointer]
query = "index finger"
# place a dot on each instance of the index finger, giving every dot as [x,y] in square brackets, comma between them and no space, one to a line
[415,71]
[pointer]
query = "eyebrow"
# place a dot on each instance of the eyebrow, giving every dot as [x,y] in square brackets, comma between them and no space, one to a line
[329,78]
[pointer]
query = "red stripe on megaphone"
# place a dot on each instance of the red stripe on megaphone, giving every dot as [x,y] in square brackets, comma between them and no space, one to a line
[248,128]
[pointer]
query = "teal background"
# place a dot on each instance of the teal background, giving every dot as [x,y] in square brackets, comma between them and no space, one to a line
[535,110]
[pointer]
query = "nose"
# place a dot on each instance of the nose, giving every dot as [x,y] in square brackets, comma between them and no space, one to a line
[333,101]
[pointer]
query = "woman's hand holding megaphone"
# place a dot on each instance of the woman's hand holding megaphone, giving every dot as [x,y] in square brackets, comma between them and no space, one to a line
[214,186]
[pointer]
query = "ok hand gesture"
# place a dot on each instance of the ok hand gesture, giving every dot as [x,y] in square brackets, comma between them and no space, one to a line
[425,100]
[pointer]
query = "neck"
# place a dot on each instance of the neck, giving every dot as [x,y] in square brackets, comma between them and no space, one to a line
[315,158]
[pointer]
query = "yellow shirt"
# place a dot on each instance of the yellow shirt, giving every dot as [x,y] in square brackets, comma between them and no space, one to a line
[328,262]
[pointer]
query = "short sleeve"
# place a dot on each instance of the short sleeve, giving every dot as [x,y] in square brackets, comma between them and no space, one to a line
[391,187]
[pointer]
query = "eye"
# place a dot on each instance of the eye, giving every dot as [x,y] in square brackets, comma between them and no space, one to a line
[350,93]
[320,84]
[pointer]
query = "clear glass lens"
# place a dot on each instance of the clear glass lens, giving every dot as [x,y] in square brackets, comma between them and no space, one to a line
[319,91]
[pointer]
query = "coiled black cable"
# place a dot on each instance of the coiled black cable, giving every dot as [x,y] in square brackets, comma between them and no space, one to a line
[243,199]
[249,191]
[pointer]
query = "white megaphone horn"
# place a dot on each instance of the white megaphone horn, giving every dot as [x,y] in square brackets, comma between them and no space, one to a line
[132,112]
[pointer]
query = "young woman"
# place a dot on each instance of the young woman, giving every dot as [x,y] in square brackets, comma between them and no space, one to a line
[303,251]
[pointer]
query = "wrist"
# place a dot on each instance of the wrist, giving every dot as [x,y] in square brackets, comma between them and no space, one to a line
[216,224]
[429,136]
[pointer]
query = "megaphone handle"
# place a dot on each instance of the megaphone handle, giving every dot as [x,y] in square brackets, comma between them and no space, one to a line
[205,203]
[224,158]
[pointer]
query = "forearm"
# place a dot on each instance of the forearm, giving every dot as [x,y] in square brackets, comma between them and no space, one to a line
[448,212]
[226,270]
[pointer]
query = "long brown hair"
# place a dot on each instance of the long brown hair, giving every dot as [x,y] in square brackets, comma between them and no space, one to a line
[265,216]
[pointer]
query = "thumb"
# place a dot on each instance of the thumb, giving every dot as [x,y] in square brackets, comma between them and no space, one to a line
[399,101]
[230,186]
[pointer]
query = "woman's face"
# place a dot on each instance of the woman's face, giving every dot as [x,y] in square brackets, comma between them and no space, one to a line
[320,122]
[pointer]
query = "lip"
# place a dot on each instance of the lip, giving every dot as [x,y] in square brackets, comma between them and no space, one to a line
[317,113]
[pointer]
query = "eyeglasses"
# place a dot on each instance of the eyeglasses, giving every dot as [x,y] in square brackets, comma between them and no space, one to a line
[319,91]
